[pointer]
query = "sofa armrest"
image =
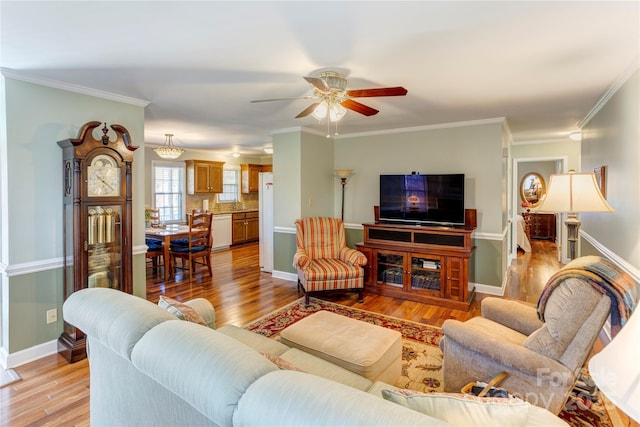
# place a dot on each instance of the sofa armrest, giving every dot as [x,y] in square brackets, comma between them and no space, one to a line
[512,314]
[513,356]
[352,256]
[301,260]
[205,309]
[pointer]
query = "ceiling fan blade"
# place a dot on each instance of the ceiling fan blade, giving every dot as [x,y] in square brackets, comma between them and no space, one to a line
[318,83]
[358,107]
[382,91]
[283,99]
[308,110]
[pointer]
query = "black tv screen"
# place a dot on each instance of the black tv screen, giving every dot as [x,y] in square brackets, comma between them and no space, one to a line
[422,199]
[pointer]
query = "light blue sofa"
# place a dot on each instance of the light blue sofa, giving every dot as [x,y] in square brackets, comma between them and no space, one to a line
[149,368]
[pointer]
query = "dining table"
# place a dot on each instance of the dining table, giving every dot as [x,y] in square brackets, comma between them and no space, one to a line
[166,234]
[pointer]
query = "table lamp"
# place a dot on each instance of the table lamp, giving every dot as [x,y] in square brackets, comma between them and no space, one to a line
[573,193]
[616,371]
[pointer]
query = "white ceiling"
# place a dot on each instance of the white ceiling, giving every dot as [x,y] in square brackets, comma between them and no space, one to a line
[542,65]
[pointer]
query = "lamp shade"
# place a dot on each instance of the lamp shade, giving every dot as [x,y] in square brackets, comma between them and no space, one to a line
[573,192]
[344,173]
[616,371]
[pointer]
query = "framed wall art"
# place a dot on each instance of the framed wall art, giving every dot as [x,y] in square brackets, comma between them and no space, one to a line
[601,179]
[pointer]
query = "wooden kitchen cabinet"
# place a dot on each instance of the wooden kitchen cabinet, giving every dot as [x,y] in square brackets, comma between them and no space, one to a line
[249,174]
[204,176]
[246,227]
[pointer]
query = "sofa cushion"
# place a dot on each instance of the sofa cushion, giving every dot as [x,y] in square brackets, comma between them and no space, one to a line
[290,398]
[207,369]
[320,367]
[100,311]
[258,342]
[205,310]
[280,362]
[461,409]
[180,310]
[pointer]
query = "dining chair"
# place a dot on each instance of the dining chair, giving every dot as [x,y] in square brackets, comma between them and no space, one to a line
[154,246]
[198,244]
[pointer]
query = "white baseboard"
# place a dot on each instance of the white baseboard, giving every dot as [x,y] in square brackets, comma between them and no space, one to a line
[27,355]
[285,275]
[490,290]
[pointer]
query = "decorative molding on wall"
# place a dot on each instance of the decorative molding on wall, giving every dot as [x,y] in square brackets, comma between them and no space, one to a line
[49,264]
[284,230]
[611,90]
[620,262]
[489,236]
[33,267]
[30,78]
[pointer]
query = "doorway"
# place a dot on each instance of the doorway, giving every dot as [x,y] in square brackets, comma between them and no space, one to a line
[543,167]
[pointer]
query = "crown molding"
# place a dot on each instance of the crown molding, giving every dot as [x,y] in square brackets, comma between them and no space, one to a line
[300,129]
[30,78]
[495,120]
[610,91]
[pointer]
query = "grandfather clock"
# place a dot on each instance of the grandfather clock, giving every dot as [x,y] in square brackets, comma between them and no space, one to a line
[97,219]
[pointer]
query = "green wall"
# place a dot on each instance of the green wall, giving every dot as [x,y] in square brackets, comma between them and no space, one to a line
[612,138]
[35,118]
[475,149]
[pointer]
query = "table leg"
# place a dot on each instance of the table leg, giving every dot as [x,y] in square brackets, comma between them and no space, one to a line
[167,257]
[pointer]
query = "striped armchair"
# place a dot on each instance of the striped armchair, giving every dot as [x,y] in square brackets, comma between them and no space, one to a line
[323,260]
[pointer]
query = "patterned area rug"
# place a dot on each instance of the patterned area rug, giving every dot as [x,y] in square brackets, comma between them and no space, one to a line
[421,355]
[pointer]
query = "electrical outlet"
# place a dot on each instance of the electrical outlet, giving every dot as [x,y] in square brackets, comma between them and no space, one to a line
[52,315]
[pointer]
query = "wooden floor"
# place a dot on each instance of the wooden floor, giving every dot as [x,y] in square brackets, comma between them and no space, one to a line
[53,392]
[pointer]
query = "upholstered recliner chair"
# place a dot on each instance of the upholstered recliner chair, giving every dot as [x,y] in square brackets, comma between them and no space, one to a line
[323,260]
[542,358]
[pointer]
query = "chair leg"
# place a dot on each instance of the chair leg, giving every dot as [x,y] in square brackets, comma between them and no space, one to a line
[208,259]
[360,295]
[306,299]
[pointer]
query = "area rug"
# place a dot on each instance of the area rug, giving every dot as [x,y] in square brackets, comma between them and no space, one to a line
[421,355]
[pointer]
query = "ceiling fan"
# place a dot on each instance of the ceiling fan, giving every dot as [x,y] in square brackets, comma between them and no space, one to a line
[333,98]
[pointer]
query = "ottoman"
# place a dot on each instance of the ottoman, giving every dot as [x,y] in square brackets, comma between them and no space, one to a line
[368,350]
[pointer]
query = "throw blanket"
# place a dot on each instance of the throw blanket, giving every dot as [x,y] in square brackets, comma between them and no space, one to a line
[606,278]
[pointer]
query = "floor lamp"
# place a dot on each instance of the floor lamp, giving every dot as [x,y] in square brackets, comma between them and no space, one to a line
[344,174]
[572,193]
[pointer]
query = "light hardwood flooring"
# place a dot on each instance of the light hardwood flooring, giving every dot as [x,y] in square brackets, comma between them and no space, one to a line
[55,393]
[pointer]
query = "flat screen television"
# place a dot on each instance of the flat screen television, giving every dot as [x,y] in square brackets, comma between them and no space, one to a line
[422,199]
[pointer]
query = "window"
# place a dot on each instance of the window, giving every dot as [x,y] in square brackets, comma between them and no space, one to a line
[230,187]
[168,190]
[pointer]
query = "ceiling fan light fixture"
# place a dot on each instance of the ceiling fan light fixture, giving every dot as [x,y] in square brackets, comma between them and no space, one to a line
[336,112]
[168,150]
[320,111]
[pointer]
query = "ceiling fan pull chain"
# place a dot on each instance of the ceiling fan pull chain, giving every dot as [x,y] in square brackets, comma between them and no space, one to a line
[328,127]
[336,134]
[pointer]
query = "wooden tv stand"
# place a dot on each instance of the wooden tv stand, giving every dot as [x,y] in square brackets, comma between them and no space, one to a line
[428,264]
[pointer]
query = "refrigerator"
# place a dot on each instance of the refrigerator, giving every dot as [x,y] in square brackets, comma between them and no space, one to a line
[265,207]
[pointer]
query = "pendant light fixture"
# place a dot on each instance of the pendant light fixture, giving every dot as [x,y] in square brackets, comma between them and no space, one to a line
[168,150]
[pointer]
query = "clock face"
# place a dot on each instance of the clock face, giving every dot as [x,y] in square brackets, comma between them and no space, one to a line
[103,177]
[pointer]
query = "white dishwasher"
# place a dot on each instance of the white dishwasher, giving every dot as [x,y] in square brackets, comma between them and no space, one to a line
[221,231]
